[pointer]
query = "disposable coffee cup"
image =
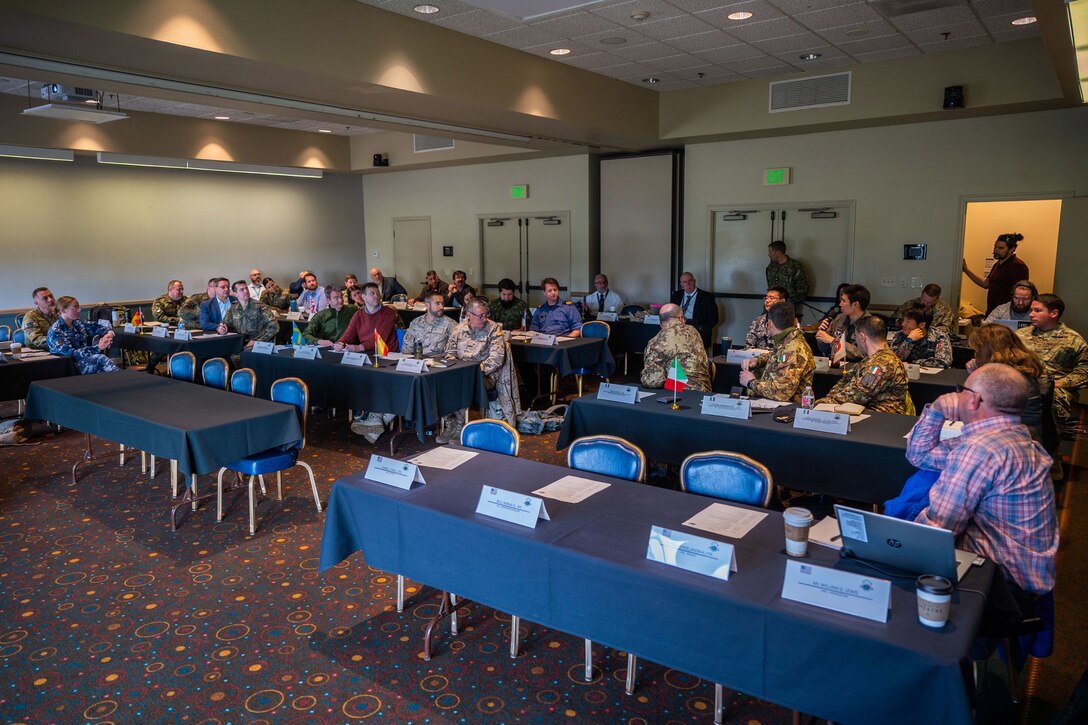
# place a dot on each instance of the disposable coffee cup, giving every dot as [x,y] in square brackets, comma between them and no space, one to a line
[798,521]
[934,600]
[16,348]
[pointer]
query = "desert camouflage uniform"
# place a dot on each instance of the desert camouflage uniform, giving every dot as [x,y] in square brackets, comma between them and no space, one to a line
[36,326]
[942,314]
[165,309]
[790,276]
[487,347]
[432,334]
[282,301]
[759,335]
[879,382]
[787,369]
[509,317]
[255,322]
[676,340]
[1065,355]
[932,351]
[189,313]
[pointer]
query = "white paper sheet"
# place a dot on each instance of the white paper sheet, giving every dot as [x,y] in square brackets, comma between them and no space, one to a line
[726,520]
[826,533]
[443,457]
[929,371]
[571,489]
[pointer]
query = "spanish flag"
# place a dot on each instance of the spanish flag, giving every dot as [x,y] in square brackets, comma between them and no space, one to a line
[677,378]
[380,348]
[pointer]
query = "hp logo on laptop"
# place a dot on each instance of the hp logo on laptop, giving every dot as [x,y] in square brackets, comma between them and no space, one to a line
[894,543]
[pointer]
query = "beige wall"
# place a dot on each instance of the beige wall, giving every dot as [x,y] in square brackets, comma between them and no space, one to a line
[908,183]
[1036,220]
[453,197]
[400,150]
[115,233]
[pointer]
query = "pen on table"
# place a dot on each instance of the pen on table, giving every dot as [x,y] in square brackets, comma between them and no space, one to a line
[836,537]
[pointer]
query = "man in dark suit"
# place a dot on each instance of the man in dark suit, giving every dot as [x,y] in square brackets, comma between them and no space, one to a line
[213,309]
[700,309]
[388,286]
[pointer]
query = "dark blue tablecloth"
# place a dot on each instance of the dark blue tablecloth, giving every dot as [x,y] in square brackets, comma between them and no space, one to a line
[203,346]
[567,356]
[203,429]
[585,573]
[16,374]
[867,465]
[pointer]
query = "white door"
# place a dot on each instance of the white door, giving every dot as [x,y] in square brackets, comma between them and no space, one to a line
[501,244]
[547,254]
[411,252]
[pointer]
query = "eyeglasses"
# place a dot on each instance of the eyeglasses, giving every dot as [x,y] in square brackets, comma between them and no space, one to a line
[963,388]
[480,315]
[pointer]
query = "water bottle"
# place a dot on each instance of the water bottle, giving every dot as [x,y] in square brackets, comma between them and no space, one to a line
[418,349]
[808,398]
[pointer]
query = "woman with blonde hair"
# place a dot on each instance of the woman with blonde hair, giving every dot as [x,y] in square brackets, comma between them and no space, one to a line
[998,344]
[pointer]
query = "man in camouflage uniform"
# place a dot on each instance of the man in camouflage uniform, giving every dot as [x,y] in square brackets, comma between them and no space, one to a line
[853,303]
[480,340]
[1061,348]
[787,273]
[879,382]
[329,325]
[431,330]
[189,310]
[676,340]
[931,297]
[920,342]
[759,334]
[248,317]
[39,319]
[789,367]
[508,310]
[165,308]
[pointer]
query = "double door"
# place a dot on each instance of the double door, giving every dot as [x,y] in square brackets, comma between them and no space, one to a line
[525,249]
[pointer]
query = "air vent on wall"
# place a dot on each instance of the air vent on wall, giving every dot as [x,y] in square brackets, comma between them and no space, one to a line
[431,143]
[812,92]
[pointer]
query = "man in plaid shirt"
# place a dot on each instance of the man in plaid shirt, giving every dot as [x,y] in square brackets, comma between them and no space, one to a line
[994,492]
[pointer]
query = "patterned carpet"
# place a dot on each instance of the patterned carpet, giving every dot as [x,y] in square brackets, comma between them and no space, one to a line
[108,617]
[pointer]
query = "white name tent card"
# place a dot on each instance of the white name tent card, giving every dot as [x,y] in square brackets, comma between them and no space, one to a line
[823,364]
[651,320]
[618,393]
[541,339]
[739,356]
[511,506]
[129,327]
[724,406]
[822,420]
[726,520]
[571,489]
[159,331]
[691,553]
[180,334]
[264,348]
[392,472]
[307,352]
[410,365]
[358,359]
[608,316]
[859,595]
[293,316]
[913,371]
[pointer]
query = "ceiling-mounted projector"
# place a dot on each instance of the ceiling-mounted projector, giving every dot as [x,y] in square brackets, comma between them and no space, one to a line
[56,92]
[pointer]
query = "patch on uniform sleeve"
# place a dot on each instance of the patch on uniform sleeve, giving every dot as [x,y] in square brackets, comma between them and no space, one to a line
[872,376]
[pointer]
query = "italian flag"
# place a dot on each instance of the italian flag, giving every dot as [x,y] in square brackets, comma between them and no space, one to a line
[676,379]
[380,348]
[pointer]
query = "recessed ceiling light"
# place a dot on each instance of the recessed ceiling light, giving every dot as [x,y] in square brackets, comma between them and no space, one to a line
[857,32]
[323,130]
[1025,20]
[743,15]
[222,118]
[613,41]
[809,56]
[426,9]
[560,51]
[640,16]
[651,80]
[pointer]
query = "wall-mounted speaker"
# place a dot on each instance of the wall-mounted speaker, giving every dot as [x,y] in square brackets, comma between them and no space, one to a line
[953,98]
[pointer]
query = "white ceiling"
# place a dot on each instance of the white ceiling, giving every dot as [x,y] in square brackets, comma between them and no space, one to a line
[680,39]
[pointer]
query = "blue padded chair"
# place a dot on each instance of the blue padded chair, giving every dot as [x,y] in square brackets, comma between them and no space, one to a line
[243,381]
[496,436]
[729,476]
[292,391]
[182,366]
[5,333]
[214,372]
[400,338]
[597,329]
[609,456]
[19,336]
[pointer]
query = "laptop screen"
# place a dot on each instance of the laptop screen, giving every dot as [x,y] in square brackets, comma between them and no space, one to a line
[914,548]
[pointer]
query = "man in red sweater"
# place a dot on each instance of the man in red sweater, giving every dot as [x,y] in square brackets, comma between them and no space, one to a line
[372,317]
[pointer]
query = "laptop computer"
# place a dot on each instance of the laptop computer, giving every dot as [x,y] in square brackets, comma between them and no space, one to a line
[1013,325]
[912,547]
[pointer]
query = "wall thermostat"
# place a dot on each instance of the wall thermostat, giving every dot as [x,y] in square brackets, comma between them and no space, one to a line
[447,251]
[914,251]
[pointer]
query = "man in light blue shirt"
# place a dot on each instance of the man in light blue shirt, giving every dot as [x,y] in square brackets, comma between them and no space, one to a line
[555,317]
[214,309]
[313,299]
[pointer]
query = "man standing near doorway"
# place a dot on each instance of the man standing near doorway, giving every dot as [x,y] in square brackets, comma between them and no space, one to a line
[1008,269]
[787,273]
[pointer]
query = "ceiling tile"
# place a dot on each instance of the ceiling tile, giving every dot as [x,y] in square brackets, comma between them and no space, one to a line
[748,66]
[933,18]
[632,38]
[447,8]
[778,70]
[874,45]
[576,48]
[1004,36]
[761,11]
[628,70]
[593,61]
[621,13]
[576,25]
[687,64]
[766,30]
[900,52]
[730,54]
[826,53]
[477,23]
[703,41]
[860,31]
[936,35]
[789,43]
[645,51]
[943,46]
[699,6]
[825,65]
[837,17]
[989,8]
[523,36]
[796,7]
[676,27]
[1003,24]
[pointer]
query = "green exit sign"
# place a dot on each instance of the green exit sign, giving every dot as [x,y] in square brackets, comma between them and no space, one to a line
[776,177]
[521,191]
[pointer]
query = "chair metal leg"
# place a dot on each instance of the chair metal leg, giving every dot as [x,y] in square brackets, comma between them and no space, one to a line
[153,470]
[718,704]
[1010,671]
[121,451]
[173,479]
[453,614]
[632,663]
[196,495]
[252,507]
[589,661]
[143,461]
[313,483]
[515,627]
[400,592]
[579,379]
[219,496]
[279,486]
